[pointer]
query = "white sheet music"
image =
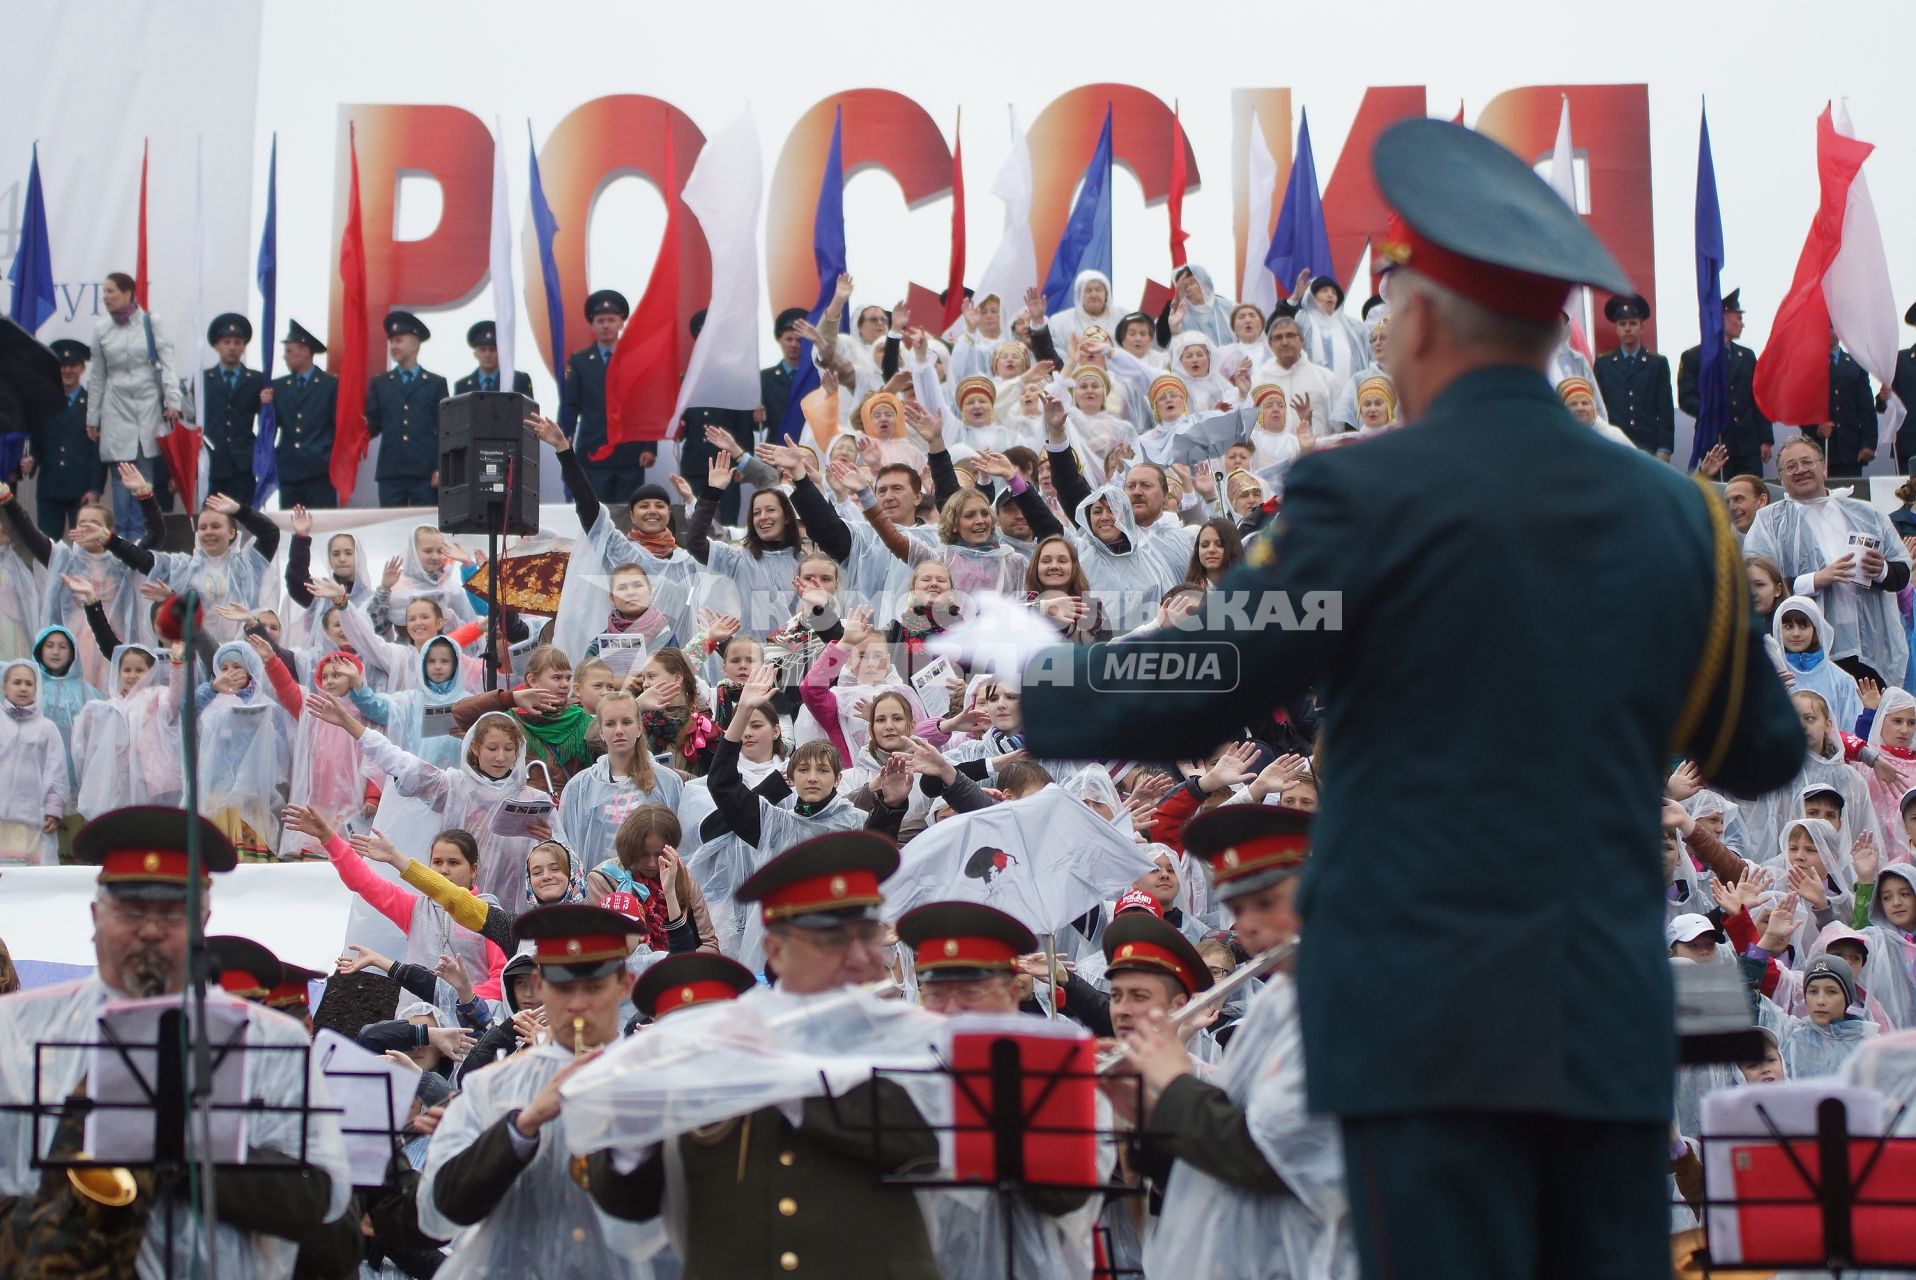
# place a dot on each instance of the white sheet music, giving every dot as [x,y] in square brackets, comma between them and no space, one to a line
[374,1094]
[129,1074]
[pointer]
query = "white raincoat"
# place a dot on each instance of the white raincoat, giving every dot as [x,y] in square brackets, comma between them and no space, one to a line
[1211,317]
[418,718]
[1127,583]
[22,586]
[1887,800]
[1837,870]
[238,575]
[328,774]
[724,862]
[33,777]
[1889,974]
[246,750]
[1816,671]
[545,1221]
[1077,317]
[304,625]
[586,601]
[1211,1229]
[119,590]
[425,799]
[105,756]
[593,805]
[448,590]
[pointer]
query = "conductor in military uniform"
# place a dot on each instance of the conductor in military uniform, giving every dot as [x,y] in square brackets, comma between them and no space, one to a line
[1521,1133]
[582,415]
[765,1196]
[229,408]
[306,404]
[63,455]
[483,338]
[1635,381]
[1749,436]
[402,413]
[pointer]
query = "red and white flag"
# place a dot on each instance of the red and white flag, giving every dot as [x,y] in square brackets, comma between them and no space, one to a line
[1841,283]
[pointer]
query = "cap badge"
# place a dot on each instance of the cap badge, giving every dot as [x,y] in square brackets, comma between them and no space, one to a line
[838,886]
[1230,857]
[685,995]
[152,862]
[572,947]
[1124,952]
[951,946]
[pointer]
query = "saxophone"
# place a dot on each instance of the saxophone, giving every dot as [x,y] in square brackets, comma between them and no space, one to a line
[81,1223]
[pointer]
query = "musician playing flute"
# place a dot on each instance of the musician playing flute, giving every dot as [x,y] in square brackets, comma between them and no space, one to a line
[1253,1183]
[796,1190]
[140,931]
[498,1179]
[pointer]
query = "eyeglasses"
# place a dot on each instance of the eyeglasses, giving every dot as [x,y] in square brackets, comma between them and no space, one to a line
[864,933]
[1797,469]
[137,916]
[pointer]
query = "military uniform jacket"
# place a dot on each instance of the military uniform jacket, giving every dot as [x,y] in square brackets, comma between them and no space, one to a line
[521,382]
[775,394]
[227,415]
[1636,391]
[767,1198]
[405,418]
[1852,415]
[584,415]
[1748,429]
[304,415]
[1446,807]
[69,465]
[1904,386]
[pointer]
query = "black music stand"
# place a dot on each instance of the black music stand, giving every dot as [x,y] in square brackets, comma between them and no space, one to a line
[998,1095]
[165,1095]
[1831,1189]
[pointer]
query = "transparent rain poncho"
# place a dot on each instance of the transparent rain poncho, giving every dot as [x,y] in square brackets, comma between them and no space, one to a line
[1210,1230]
[238,575]
[118,588]
[246,749]
[726,861]
[586,601]
[33,777]
[546,1223]
[1890,972]
[447,588]
[1127,582]
[108,756]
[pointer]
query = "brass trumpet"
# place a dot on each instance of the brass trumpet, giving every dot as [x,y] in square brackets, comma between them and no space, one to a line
[578,1166]
[108,1185]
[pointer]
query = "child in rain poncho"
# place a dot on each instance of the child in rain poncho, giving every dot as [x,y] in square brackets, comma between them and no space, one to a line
[223,567]
[1819,1043]
[490,774]
[33,771]
[109,756]
[1805,635]
[749,827]
[430,569]
[246,747]
[855,668]
[63,689]
[327,763]
[598,799]
[646,865]
[1810,866]
[395,665]
[1891,734]
[81,560]
[431,932]
[761,757]
[418,718]
[1886,899]
[345,566]
[1824,765]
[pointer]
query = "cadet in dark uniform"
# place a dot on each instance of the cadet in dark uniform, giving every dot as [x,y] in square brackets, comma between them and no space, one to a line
[64,456]
[1749,436]
[483,338]
[402,411]
[695,454]
[1522,1133]
[306,403]
[765,1197]
[617,477]
[1635,381]
[775,383]
[1848,438]
[1904,387]
[229,408]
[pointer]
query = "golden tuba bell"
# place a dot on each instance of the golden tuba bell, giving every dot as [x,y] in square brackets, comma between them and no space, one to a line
[107,1185]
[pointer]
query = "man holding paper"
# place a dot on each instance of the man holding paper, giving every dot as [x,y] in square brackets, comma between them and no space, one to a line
[265,1206]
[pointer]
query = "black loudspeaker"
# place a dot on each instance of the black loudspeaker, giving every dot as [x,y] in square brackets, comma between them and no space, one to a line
[488,464]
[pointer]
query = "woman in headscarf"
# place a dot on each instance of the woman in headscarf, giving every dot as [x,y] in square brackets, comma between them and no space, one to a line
[1332,338]
[1579,395]
[1091,303]
[1198,307]
[1088,414]
[1376,404]
[1805,635]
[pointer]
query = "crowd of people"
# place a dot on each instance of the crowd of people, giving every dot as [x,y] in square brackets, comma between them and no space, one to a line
[740,701]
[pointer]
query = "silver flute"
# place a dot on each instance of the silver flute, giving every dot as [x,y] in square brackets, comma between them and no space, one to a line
[1256,967]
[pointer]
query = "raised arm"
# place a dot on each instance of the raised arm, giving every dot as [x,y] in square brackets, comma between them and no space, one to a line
[37,543]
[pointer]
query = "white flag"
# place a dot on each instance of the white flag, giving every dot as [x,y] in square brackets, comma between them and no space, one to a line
[1857,291]
[1563,180]
[723,193]
[505,316]
[1046,860]
[1014,267]
[1258,287]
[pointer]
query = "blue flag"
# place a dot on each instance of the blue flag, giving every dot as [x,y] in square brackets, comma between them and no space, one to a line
[1086,242]
[545,226]
[1300,242]
[828,252]
[1713,356]
[32,272]
[266,273]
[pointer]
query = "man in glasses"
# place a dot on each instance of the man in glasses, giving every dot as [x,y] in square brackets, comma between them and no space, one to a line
[1844,554]
[140,940]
